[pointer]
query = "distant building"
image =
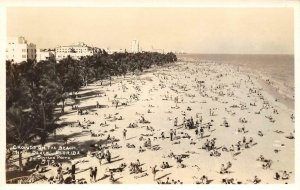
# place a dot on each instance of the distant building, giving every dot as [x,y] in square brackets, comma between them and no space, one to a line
[157,50]
[43,55]
[111,51]
[135,46]
[19,50]
[76,51]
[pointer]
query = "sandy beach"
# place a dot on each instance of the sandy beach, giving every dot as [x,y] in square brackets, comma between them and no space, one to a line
[195,115]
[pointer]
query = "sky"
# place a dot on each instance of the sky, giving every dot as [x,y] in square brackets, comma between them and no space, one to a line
[192,30]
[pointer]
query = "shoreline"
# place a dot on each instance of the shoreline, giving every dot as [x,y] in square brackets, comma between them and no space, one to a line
[271,86]
[279,90]
[274,88]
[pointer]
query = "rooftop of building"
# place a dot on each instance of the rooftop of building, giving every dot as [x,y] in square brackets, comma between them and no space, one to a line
[79,44]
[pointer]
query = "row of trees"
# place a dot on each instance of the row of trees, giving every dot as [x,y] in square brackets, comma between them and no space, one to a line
[34,90]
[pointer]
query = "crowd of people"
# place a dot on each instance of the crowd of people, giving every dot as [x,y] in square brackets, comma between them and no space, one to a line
[201,127]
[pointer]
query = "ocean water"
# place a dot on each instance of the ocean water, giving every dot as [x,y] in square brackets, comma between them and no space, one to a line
[278,68]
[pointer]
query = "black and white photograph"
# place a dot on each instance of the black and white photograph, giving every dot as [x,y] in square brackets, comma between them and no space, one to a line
[149,95]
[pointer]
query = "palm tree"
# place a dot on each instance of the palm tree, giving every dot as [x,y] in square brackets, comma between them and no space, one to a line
[20,129]
[34,89]
[69,78]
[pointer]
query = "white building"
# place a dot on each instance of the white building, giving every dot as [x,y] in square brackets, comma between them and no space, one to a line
[76,51]
[135,46]
[19,50]
[43,55]
[157,50]
[111,51]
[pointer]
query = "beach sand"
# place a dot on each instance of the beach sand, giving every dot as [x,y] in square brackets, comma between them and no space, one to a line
[223,90]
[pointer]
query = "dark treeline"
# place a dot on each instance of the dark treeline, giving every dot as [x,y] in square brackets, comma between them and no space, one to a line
[34,90]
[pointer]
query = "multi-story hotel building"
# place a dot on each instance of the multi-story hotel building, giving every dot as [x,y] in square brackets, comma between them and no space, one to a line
[76,51]
[135,46]
[43,55]
[19,50]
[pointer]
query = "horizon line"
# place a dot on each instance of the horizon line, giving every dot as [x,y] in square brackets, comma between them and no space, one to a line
[236,53]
